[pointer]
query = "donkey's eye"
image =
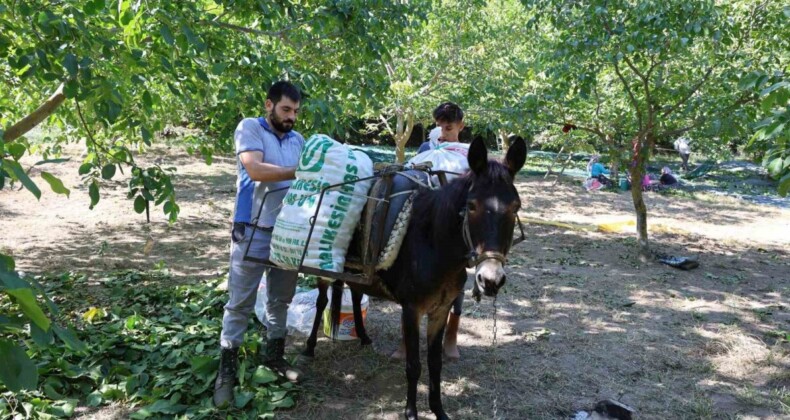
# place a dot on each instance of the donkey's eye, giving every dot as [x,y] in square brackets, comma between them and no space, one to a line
[471,206]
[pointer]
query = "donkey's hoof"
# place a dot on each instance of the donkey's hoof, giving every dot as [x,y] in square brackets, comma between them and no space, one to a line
[308,354]
[366,341]
[411,414]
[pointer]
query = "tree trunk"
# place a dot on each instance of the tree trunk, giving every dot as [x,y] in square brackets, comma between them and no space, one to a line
[556,158]
[564,165]
[504,140]
[34,118]
[637,172]
[403,128]
[641,219]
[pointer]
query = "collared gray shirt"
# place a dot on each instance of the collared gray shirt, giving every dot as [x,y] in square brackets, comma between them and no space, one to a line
[254,134]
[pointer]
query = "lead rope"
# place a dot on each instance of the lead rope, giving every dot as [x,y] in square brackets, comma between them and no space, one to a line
[496,364]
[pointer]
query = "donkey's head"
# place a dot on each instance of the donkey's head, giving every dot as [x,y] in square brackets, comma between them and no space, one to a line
[491,207]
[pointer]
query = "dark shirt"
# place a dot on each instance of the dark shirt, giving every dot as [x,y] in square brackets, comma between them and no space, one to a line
[667,179]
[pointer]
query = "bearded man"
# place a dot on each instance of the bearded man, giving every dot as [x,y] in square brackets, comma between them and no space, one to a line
[267,154]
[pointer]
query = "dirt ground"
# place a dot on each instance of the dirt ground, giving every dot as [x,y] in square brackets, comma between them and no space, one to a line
[580,319]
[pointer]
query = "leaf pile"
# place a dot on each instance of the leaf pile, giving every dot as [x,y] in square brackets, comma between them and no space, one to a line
[149,345]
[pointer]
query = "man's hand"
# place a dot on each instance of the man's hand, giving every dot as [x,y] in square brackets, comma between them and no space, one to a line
[264,172]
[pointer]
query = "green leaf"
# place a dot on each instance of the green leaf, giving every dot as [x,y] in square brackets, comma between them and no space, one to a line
[774,87]
[139,204]
[6,263]
[243,398]
[94,399]
[286,402]
[146,135]
[70,64]
[784,185]
[17,371]
[148,101]
[160,407]
[132,321]
[218,68]
[16,150]
[71,89]
[93,192]
[775,166]
[108,171]
[85,168]
[10,280]
[263,375]
[69,338]
[64,408]
[748,81]
[167,35]
[55,183]
[27,303]
[20,174]
[204,366]
[90,8]
[113,111]
[41,337]
[46,161]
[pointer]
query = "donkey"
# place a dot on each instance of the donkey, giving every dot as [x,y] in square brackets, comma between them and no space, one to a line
[467,223]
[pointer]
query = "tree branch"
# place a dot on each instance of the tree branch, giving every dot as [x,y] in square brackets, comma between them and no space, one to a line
[748,97]
[88,131]
[633,68]
[36,117]
[244,29]
[630,94]
[593,130]
[691,92]
[386,124]
[431,82]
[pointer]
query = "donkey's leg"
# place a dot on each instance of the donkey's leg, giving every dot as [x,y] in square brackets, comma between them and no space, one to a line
[320,305]
[411,335]
[436,324]
[359,324]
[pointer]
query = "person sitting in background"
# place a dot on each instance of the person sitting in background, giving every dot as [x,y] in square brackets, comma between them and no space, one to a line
[667,178]
[596,170]
[646,182]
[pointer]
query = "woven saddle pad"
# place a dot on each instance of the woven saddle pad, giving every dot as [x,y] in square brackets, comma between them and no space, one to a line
[370,238]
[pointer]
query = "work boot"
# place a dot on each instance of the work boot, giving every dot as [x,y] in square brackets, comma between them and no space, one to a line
[226,377]
[274,359]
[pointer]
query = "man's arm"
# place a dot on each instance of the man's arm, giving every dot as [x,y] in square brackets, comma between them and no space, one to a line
[264,172]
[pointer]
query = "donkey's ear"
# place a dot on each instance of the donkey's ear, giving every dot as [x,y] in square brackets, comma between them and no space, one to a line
[478,156]
[516,156]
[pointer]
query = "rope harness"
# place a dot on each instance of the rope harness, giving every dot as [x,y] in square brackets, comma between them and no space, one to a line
[473,258]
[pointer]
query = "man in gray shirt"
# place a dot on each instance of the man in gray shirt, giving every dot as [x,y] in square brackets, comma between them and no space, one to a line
[267,151]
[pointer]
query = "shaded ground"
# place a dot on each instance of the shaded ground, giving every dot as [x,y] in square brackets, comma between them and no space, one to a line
[579,321]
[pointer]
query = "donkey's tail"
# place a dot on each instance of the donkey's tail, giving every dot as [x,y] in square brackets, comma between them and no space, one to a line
[335,307]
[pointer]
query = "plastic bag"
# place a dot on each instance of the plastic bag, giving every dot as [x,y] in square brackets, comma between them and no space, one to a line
[592,184]
[301,312]
[451,157]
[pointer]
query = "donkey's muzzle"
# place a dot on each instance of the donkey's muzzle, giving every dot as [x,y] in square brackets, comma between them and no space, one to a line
[490,276]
